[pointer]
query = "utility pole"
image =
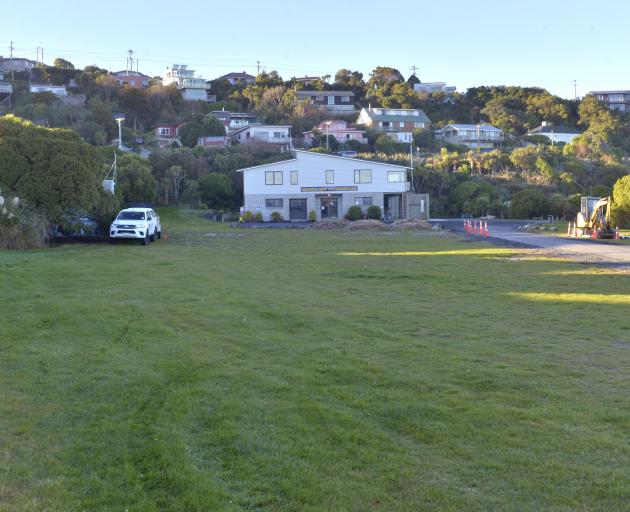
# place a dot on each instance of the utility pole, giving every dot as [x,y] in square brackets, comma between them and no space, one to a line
[38,50]
[130,62]
[574,82]
[120,120]
[413,69]
[257,67]
[11,48]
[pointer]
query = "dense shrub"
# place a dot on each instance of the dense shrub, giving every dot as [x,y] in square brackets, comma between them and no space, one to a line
[20,227]
[354,213]
[312,216]
[528,203]
[621,202]
[248,216]
[374,212]
[276,217]
[258,217]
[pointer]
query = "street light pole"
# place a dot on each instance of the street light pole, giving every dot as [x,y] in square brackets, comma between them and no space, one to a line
[120,120]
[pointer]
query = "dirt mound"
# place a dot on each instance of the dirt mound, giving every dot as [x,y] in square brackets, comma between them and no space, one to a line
[329,224]
[411,224]
[367,224]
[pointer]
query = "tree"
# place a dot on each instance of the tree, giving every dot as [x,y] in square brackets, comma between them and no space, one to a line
[214,126]
[63,63]
[621,202]
[135,180]
[216,191]
[53,170]
[528,203]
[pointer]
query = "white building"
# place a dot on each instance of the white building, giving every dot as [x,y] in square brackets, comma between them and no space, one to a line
[433,87]
[329,185]
[397,123]
[193,88]
[57,90]
[556,134]
[473,136]
[263,133]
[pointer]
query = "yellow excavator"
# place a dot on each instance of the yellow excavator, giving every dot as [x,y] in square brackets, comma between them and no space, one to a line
[593,219]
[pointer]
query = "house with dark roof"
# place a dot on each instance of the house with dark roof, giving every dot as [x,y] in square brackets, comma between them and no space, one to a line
[555,133]
[238,78]
[397,123]
[616,100]
[332,101]
[473,136]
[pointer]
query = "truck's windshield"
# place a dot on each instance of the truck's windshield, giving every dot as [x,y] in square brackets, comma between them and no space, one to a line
[130,216]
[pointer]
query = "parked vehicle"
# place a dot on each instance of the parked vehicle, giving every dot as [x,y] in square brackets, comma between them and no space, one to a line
[136,223]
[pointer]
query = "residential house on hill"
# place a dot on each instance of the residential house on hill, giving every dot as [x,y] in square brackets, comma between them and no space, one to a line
[616,100]
[332,101]
[559,133]
[306,80]
[57,90]
[220,141]
[235,120]
[397,123]
[192,88]
[132,79]
[263,134]
[434,87]
[473,136]
[168,132]
[16,64]
[337,128]
[238,78]
[329,185]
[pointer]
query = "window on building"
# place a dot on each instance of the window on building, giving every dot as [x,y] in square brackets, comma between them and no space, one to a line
[273,203]
[401,124]
[165,131]
[395,176]
[278,135]
[294,177]
[363,201]
[363,175]
[330,177]
[345,99]
[273,178]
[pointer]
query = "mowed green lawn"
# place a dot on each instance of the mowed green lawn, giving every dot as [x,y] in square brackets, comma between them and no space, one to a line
[233,369]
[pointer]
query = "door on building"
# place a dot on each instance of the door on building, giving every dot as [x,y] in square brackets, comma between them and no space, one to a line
[297,209]
[329,207]
[393,206]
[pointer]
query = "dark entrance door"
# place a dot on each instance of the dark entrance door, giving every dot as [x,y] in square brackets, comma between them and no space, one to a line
[330,207]
[297,209]
[393,206]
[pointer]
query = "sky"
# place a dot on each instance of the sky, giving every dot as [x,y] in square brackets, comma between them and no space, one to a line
[464,43]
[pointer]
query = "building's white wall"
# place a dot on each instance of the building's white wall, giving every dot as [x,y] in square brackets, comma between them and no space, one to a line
[194,94]
[311,173]
[561,137]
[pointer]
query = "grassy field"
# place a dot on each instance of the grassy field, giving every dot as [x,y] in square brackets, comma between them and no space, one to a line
[311,370]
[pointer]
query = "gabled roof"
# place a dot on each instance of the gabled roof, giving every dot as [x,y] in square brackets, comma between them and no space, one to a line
[124,72]
[226,113]
[238,75]
[554,129]
[484,127]
[325,93]
[375,116]
[322,155]
[259,125]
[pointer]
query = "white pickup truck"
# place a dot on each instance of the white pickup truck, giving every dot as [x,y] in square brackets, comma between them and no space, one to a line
[136,223]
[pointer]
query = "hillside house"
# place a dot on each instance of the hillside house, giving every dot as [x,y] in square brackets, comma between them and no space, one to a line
[434,87]
[235,120]
[57,90]
[239,78]
[193,88]
[397,123]
[168,131]
[338,129]
[16,64]
[473,136]
[329,185]
[332,101]
[263,134]
[555,134]
[132,79]
[615,100]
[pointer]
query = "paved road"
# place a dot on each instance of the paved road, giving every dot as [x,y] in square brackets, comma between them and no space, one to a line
[585,250]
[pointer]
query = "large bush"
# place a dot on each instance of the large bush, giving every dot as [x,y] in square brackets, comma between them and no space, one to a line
[52,170]
[20,227]
[354,213]
[621,202]
[528,203]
